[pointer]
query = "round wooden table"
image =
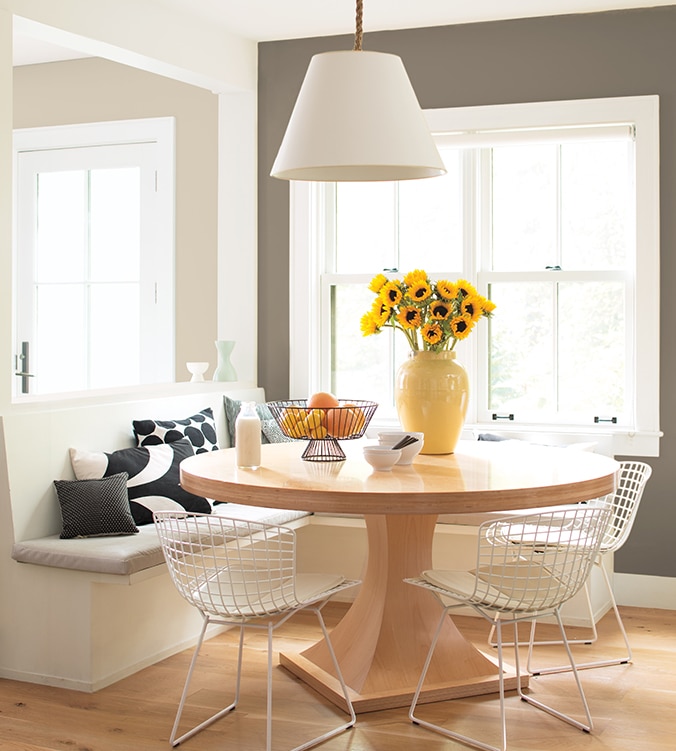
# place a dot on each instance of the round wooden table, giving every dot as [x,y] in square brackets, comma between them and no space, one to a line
[382,640]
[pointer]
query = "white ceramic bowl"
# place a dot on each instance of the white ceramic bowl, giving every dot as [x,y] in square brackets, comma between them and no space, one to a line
[408,453]
[382,458]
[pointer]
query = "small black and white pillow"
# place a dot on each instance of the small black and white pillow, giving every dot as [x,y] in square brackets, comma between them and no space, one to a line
[95,508]
[199,429]
[153,471]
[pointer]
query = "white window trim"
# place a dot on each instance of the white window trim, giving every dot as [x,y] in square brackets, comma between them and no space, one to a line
[161,132]
[643,111]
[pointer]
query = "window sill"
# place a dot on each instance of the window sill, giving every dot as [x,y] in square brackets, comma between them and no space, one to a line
[609,442]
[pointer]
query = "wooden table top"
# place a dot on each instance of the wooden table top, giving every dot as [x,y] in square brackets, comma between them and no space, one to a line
[480,476]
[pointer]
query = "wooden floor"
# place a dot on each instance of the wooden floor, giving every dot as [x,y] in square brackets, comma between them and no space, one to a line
[632,705]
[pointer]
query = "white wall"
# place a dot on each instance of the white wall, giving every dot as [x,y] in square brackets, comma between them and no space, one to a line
[136,32]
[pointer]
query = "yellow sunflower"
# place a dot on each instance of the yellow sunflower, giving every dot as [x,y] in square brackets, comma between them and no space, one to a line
[391,294]
[467,289]
[368,325]
[446,290]
[471,306]
[488,306]
[377,283]
[440,311]
[380,311]
[419,292]
[461,326]
[415,277]
[432,333]
[409,317]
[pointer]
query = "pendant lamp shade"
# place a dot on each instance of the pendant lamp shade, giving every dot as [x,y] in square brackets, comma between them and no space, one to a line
[357,118]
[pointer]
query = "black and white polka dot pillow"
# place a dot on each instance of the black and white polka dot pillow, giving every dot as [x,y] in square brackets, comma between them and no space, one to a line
[199,429]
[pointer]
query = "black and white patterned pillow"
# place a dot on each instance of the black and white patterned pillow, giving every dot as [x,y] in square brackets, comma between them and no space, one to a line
[199,429]
[153,471]
[94,508]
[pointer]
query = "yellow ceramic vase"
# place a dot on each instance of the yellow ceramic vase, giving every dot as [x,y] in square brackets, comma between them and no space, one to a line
[431,393]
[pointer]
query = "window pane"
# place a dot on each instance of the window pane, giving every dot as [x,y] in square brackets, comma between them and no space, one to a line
[361,366]
[115,209]
[61,223]
[521,370]
[524,203]
[592,347]
[59,359]
[430,219]
[115,348]
[365,227]
[595,204]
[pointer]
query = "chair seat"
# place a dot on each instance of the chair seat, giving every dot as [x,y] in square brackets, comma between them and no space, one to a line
[270,600]
[527,587]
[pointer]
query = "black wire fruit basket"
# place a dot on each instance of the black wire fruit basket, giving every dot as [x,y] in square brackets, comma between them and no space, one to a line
[323,427]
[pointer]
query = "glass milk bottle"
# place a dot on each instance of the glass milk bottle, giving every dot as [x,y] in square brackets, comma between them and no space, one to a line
[248,437]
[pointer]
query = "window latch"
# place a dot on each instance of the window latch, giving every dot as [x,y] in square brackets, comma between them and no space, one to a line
[605,419]
[495,416]
[553,268]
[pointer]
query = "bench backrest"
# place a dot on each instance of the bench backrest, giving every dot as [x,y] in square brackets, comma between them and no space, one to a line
[37,439]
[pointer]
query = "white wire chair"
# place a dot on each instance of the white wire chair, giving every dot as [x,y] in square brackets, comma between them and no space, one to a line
[242,573]
[632,479]
[515,580]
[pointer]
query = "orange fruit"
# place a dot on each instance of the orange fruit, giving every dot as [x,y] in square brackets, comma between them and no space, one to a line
[322,399]
[338,422]
[358,420]
[344,422]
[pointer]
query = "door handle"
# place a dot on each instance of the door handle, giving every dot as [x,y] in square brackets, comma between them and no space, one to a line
[23,372]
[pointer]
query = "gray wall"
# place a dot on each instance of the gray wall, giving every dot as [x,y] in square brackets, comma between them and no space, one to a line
[625,53]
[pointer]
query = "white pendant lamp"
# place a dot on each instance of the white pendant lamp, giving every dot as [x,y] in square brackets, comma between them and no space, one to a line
[357,118]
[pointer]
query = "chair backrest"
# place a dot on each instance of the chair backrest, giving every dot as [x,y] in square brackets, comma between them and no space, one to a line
[535,562]
[631,483]
[228,567]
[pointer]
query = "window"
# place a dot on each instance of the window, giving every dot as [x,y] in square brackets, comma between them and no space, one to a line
[552,211]
[94,256]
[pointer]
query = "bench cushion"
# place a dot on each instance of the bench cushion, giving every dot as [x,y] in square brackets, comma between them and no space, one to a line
[128,554]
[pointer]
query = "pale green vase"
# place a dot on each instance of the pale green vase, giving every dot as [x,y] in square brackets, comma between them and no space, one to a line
[225,370]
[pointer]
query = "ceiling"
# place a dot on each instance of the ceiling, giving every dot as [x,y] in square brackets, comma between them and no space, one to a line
[265,20]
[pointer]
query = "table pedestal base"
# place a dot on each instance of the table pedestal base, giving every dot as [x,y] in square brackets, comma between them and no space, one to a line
[382,641]
[325,684]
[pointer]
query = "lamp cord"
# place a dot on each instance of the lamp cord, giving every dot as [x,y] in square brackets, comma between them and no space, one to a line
[359,31]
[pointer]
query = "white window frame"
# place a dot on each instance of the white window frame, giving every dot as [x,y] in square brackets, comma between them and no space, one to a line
[307,373]
[158,246]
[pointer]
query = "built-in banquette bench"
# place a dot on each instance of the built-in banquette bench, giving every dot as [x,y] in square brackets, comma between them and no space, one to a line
[83,613]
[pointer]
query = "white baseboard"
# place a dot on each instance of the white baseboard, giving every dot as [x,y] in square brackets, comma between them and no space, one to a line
[91,687]
[639,591]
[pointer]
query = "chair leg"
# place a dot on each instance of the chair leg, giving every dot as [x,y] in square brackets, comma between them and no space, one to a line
[583,640]
[546,708]
[350,709]
[597,663]
[449,733]
[176,741]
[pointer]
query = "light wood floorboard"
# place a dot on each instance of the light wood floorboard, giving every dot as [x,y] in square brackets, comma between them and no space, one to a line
[632,705]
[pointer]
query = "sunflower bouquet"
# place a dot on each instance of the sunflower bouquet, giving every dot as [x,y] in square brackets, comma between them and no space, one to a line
[432,315]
